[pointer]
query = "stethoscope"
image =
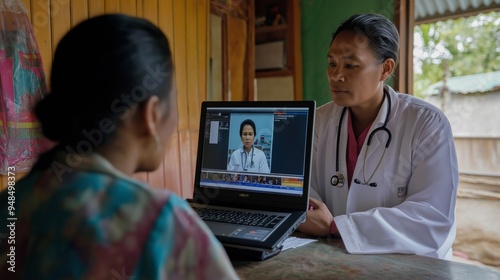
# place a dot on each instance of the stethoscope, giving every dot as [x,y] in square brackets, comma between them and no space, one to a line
[252,164]
[338,179]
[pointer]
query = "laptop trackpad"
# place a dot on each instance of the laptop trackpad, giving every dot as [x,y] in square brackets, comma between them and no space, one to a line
[239,231]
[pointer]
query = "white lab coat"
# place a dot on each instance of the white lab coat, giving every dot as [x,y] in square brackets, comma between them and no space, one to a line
[412,210]
[241,160]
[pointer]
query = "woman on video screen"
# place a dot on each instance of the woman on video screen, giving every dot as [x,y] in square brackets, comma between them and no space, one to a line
[248,158]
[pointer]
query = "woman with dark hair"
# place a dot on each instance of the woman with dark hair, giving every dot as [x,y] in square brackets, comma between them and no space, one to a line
[248,158]
[384,175]
[112,110]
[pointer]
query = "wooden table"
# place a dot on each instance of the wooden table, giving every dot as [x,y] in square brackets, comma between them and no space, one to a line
[328,259]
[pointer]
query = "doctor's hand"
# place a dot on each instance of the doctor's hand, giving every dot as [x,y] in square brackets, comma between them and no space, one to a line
[318,219]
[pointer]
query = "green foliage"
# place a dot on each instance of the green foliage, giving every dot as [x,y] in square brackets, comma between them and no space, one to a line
[471,45]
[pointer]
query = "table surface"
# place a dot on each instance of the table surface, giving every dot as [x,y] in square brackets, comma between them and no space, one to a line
[328,259]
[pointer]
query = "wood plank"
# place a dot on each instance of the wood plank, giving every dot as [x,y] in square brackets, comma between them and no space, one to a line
[112,6]
[194,152]
[274,73]
[203,29]
[180,59]
[43,33]
[27,6]
[150,11]
[61,21]
[250,57]
[410,30]
[187,173]
[79,11]
[236,41]
[128,7]
[192,45]
[402,18]
[166,20]
[139,7]
[226,93]
[203,25]
[96,7]
[172,169]
[478,194]
[172,166]
[289,40]
[180,64]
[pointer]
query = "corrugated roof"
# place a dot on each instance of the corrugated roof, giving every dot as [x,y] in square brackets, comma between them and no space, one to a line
[428,10]
[484,82]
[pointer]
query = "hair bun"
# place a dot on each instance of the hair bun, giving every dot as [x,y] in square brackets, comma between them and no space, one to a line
[48,111]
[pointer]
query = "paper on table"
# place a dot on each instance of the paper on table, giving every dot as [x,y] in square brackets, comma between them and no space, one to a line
[294,242]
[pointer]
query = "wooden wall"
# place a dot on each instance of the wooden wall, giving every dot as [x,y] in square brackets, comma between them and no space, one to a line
[185,22]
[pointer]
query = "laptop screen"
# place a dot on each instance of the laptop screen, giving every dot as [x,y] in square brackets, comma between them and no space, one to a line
[255,149]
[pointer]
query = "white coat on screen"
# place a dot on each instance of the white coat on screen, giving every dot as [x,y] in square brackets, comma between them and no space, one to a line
[254,161]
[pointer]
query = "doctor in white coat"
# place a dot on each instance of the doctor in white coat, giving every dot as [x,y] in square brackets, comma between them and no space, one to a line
[248,158]
[384,174]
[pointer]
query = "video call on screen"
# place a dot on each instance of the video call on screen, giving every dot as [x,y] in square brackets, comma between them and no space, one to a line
[288,139]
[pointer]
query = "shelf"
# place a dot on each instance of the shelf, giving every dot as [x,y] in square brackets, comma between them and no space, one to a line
[273,73]
[285,79]
[270,33]
[271,29]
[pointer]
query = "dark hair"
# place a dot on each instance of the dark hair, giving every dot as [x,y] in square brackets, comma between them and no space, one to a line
[102,67]
[380,31]
[247,122]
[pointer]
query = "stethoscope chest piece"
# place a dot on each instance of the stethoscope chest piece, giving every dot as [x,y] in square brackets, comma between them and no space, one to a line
[337,180]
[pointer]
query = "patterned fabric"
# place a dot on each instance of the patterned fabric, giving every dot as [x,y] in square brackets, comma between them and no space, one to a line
[93,222]
[22,84]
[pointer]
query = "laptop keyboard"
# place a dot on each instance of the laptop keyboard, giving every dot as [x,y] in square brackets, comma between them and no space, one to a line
[238,217]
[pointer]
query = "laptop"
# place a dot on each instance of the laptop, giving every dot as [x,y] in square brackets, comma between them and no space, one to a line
[253,198]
